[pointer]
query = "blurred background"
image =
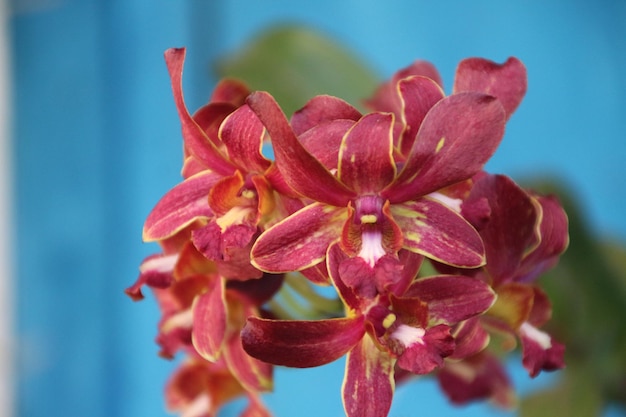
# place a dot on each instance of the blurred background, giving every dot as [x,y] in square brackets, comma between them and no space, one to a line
[91,141]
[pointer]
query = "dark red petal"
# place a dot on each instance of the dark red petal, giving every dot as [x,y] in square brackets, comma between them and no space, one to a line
[300,241]
[299,343]
[366,163]
[300,169]
[470,338]
[182,205]
[507,81]
[368,383]
[321,109]
[423,357]
[452,298]
[194,136]
[242,133]
[439,233]
[323,141]
[457,137]
[540,351]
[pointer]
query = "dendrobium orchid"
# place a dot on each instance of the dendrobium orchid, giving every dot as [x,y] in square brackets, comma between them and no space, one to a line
[428,255]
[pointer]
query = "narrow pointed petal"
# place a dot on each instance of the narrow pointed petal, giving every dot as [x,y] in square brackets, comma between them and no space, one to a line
[452,298]
[255,375]
[209,321]
[321,109]
[299,241]
[457,137]
[507,82]
[300,169]
[194,136]
[182,205]
[368,384]
[439,233]
[366,163]
[418,95]
[242,133]
[301,344]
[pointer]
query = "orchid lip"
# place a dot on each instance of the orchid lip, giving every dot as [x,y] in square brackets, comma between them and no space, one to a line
[408,335]
[372,246]
[542,338]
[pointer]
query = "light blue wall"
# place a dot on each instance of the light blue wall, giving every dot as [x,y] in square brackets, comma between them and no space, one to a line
[97,143]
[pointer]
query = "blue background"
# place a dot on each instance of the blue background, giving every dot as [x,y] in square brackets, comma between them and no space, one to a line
[97,143]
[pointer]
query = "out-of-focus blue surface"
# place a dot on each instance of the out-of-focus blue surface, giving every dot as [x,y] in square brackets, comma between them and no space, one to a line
[97,143]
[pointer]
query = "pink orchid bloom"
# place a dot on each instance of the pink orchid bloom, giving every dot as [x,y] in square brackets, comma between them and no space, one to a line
[406,322]
[373,204]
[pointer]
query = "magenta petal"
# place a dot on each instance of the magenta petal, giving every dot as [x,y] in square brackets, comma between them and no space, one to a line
[324,141]
[439,233]
[300,343]
[335,259]
[470,338]
[194,136]
[540,351]
[366,163]
[254,375]
[300,169]
[418,95]
[300,241]
[368,383]
[505,81]
[321,109]
[424,356]
[511,223]
[209,321]
[457,137]
[183,204]
[242,133]
[452,298]
[156,272]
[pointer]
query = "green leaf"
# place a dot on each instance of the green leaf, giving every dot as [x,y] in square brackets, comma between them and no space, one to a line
[294,64]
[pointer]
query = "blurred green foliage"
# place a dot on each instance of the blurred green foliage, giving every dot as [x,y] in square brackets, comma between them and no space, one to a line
[587,288]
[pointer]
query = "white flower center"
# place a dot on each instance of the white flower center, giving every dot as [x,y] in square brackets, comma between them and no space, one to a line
[408,335]
[372,247]
[542,338]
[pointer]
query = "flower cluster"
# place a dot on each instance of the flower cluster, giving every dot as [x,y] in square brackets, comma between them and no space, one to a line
[430,257]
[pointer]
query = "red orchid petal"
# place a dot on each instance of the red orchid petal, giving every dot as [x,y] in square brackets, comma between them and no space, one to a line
[301,170]
[334,260]
[368,383]
[439,233]
[457,137]
[470,338]
[209,118]
[511,224]
[257,291]
[155,271]
[540,351]
[300,241]
[366,163]
[209,321]
[300,343]
[418,95]
[321,109]
[452,298]
[317,274]
[477,378]
[182,205]
[230,91]
[255,375]
[323,141]
[552,237]
[242,133]
[194,136]
[424,356]
[541,312]
[357,274]
[507,81]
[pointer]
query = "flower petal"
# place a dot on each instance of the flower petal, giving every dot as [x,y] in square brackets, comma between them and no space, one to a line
[183,204]
[452,298]
[418,95]
[322,108]
[422,357]
[366,163]
[457,137]
[368,383]
[242,133]
[439,233]
[470,338]
[209,321]
[299,241]
[300,169]
[507,81]
[194,136]
[301,343]
[540,351]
